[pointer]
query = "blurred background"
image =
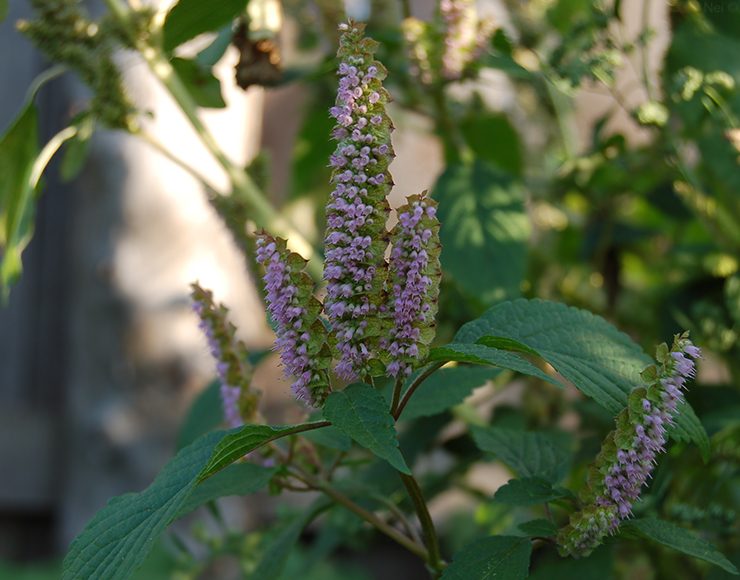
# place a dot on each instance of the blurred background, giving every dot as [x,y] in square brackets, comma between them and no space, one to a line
[101,356]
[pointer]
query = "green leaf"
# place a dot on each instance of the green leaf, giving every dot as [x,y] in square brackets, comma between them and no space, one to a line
[598,566]
[362,413]
[75,153]
[493,139]
[3,10]
[499,557]
[600,361]
[330,437]
[189,18]
[205,414]
[236,479]
[672,536]
[116,541]
[445,389]
[526,453]
[528,491]
[19,148]
[276,556]
[202,85]
[485,230]
[485,355]
[539,527]
[732,297]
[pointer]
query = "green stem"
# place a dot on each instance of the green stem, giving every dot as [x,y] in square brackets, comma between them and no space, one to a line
[427,525]
[265,215]
[366,515]
[396,396]
[422,377]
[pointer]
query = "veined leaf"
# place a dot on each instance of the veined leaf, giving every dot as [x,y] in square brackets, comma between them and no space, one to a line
[362,413]
[484,230]
[600,361]
[497,557]
[189,18]
[121,535]
[672,536]
[486,355]
[236,479]
[539,527]
[446,388]
[527,454]
[528,491]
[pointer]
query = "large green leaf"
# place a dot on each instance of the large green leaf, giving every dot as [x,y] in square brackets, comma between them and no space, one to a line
[526,453]
[205,414]
[236,479]
[276,556]
[499,557]
[446,388]
[189,18]
[486,355]
[19,148]
[493,138]
[528,491]
[539,527]
[362,413]
[484,230]
[116,541]
[672,536]
[600,361]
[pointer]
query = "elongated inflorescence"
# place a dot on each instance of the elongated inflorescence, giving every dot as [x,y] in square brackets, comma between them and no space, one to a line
[413,282]
[628,454]
[301,336]
[238,397]
[357,211]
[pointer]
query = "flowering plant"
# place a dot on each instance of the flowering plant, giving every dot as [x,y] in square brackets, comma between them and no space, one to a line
[358,344]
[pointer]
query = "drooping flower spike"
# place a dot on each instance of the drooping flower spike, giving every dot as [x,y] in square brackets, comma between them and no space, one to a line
[628,454]
[356,239]
[301,336]
[413,282]
[238,397]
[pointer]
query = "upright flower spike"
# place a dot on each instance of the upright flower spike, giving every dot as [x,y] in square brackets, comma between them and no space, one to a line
[238,397]
[301,336]
[413,282]
[628,454]
[356,239]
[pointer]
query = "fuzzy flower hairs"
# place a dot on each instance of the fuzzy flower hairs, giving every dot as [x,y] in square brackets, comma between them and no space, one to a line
[628,454]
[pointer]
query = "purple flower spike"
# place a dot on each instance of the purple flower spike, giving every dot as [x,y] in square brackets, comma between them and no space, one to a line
[629,454]
[301,336]
[238,397]
[355,240]
[414,277]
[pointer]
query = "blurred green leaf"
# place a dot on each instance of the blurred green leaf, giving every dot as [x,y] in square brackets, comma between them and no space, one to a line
[484,230]
[499,557]
[679,539]
[484,355]
[597,566]
[276,556]
[211,54]
[205,414]
[526,453]
[732,297]
[362,413]
[540,527]
[329,437]
[528,491]
[189,18]
[76,150]
[18,151]
[493,139]
[446,388]
[202,85]
[3,10]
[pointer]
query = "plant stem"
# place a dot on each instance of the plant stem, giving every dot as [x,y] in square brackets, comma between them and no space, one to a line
[412,388]
[427,525]
[396,396]
[366,515]
[265,215]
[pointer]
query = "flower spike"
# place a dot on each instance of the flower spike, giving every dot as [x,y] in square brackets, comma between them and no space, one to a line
[238,397]
[628,454]
[356,238]
[301,336]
